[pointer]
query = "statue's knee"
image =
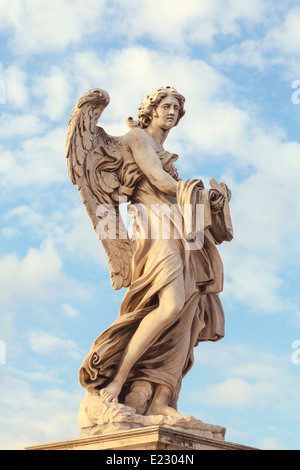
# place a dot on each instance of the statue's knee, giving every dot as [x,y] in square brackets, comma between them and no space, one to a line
[170,311]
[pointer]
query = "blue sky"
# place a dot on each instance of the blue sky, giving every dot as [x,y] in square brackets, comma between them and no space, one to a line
[236,62]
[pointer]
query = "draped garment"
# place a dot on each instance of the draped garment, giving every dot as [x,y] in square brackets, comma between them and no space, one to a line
[157,261]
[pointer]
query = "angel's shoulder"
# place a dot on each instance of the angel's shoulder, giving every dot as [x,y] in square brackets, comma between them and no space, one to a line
[136,135]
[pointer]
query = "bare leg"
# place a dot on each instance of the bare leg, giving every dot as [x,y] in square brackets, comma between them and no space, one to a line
[160,403]
[171,302]
[139,395]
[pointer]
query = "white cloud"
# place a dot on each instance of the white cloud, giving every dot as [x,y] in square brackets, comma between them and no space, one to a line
[48,344]
[179,24]
[285,37]
[249,53]
[254,378]
[240,393]
[38,162]
[9,232]
[8,334]
[271,443]
[49,26]
[265,246]
[69,311]
[23,216]
[16,90]
[53,91]
[253,281]
[23,125]
[234,392]
[67,228]
[76,237]
[38,275]
[56,25]
[45,415]
[278,45]
[130,73]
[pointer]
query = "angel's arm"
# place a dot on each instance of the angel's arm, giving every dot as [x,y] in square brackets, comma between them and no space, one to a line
[149,162]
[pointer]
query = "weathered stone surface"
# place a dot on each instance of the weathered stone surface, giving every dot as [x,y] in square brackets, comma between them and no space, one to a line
[170,264]
[97,417]
[156,437]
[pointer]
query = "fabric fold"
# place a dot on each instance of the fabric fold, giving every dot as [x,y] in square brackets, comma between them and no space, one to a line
[157,262]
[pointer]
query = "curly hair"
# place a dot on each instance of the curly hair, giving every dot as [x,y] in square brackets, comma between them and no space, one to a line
[152,100]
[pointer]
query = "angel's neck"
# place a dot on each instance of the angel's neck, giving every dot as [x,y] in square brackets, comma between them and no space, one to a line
[158,134]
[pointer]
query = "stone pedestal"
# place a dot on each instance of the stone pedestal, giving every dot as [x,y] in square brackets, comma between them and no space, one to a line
[149,438]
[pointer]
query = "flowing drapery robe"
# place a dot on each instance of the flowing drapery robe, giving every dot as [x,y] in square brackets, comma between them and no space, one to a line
[157,261]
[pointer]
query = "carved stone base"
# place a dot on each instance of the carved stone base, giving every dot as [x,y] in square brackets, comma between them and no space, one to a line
[117,427]
[97,417]
[146,439]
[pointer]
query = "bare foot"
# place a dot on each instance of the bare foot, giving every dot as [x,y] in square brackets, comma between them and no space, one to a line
[107,397]
[161,409]
[160,403]
[110,393]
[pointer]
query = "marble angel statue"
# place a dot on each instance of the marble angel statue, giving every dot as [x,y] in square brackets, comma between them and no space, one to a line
[171,302]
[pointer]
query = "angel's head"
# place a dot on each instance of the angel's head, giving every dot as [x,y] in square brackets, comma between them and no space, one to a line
[147,108]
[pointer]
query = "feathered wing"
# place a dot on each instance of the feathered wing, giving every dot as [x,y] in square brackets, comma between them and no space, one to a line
[94,159]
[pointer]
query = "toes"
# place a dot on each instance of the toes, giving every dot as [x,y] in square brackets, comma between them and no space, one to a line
[107,397]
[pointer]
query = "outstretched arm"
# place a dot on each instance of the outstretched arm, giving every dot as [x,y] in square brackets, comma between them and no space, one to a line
[147,159]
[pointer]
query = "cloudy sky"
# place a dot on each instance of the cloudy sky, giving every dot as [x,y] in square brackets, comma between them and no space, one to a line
[237,63]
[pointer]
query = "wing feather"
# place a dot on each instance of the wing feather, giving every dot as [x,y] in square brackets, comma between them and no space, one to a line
[94,159]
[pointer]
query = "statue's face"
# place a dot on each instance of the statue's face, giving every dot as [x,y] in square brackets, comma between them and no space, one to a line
[166,113]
